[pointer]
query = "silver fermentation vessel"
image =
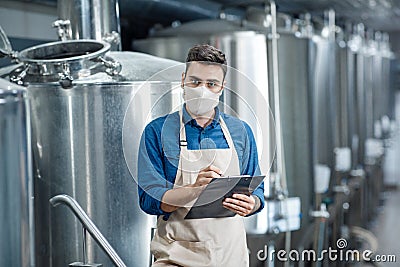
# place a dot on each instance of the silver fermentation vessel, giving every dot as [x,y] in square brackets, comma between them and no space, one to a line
[95,19]
[16,223]
[88,111]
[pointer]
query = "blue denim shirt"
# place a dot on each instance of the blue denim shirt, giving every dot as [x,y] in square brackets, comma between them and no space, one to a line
[159,153]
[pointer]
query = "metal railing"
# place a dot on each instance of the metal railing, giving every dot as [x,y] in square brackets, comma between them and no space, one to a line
[88,224]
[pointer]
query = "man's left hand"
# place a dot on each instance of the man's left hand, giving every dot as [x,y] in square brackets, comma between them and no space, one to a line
[240,204]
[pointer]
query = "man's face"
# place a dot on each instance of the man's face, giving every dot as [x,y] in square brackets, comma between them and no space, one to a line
[201,74]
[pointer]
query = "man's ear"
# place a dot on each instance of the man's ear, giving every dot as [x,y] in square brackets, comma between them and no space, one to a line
[223,85]
[183,78]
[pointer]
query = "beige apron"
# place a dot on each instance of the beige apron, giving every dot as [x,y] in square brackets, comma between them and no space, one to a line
[201,242]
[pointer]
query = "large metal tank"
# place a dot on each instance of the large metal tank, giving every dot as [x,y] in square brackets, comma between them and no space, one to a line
[342,70]
[345,91]
[325,99]
[371,72]
[358,95]
[378,86]
[387,87]
[344,131]
[381,84]
[16,205]
[295,85]
[97,20]
[79,113]
[295,56]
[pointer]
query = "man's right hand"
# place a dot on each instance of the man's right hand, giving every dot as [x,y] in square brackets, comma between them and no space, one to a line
[179,197]
[206,175]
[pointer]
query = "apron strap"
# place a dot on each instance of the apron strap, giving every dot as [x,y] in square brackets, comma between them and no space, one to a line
[226,133]
[182,131]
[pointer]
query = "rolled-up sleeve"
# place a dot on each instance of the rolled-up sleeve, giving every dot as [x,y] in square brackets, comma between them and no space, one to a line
[152,183]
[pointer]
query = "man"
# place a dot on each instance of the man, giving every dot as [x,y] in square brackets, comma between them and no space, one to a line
[181,153]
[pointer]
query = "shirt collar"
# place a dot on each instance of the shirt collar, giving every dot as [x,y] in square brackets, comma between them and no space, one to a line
[188,119]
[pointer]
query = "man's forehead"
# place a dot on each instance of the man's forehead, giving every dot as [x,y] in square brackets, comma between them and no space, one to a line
[205,70]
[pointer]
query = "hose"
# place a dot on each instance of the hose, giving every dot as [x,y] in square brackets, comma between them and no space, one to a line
[369,238]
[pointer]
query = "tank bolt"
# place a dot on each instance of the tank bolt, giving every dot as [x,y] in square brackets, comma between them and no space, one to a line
[66,82]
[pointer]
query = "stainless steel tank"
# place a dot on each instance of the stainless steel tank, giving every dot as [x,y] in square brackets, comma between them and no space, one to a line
[16,190]
[389,96]
[295,60]
[381,84]
[344,131]
[343,70]
[96,19]
[378,86]
[369,76]
[349,65]
[358,95]
[80,105]
[387,87]
[324,95]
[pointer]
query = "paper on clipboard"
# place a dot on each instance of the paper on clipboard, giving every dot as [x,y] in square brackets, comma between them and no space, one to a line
[209,202]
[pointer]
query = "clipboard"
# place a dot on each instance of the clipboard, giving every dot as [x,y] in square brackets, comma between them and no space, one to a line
[209,202]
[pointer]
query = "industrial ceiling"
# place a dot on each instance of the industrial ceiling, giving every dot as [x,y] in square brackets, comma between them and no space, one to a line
[378,14]
[138,17]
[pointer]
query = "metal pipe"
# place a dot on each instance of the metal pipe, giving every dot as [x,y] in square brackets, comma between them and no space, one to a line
[89,225]
[94,19]
[280,157]
[280,152]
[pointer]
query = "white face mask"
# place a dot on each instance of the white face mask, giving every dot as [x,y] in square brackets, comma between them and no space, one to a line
[200,100]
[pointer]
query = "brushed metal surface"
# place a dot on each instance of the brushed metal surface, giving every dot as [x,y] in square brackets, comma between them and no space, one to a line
[324,97]
[295,61]
[78,150]
[345,118]
[16,228]
[97,19]
[361,107]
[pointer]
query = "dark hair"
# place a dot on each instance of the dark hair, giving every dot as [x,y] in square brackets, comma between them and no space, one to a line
[206,53]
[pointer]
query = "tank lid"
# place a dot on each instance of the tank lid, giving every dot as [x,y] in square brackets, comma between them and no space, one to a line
[64,62]
[5,45]
[64,51]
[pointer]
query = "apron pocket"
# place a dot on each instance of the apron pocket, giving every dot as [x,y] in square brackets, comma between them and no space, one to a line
[193,254]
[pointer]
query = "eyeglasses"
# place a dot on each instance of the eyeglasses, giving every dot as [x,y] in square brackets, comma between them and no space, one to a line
[213,86]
